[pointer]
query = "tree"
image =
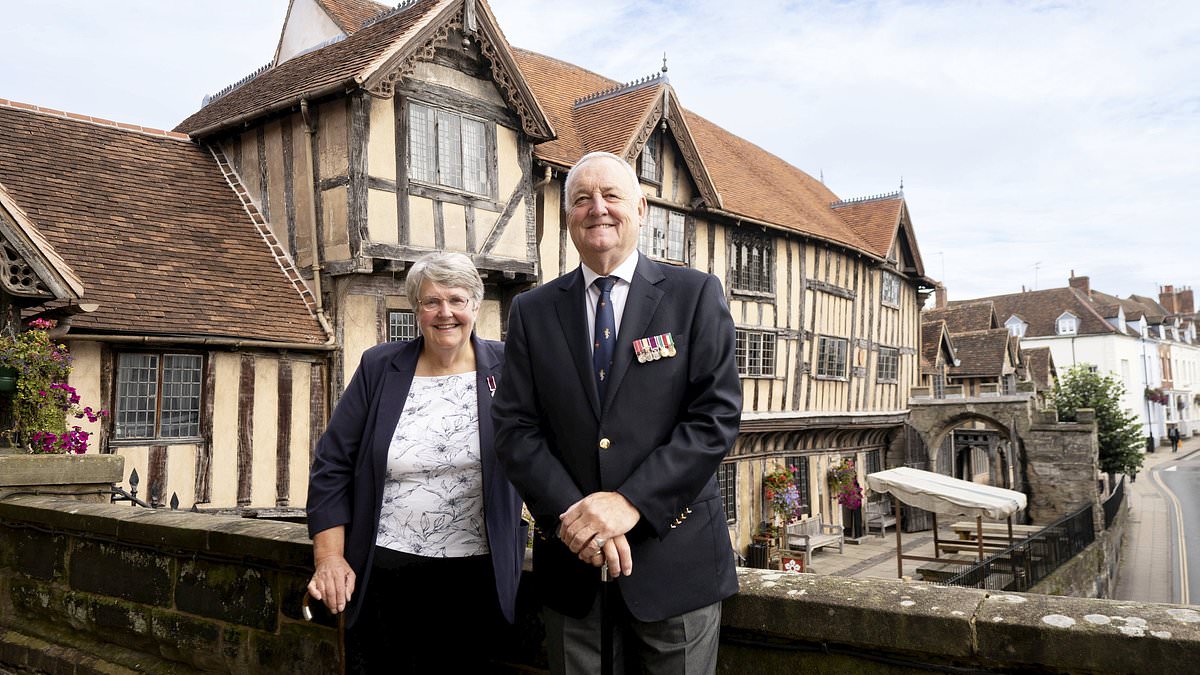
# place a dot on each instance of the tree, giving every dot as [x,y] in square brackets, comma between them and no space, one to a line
[1120,433]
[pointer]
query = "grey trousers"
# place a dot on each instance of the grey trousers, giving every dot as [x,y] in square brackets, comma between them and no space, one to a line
[680,645]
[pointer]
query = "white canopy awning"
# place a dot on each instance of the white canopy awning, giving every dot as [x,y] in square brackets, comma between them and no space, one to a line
[943,494]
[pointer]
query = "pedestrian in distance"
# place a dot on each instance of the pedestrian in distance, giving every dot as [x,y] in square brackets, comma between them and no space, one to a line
[620,398]
[1173,436]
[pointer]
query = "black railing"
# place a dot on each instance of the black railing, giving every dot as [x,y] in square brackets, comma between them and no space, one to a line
[120,495]
[1112,504]
[1022,565]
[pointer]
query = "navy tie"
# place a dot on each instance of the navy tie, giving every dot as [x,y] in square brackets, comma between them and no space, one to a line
[606,334]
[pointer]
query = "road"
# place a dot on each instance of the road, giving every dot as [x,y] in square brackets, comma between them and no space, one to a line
[1179,481]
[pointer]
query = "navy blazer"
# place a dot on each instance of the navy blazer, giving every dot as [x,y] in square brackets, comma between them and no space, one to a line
[345,485]
[657,438]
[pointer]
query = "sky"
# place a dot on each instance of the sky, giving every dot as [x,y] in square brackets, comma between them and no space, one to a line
[1032,139]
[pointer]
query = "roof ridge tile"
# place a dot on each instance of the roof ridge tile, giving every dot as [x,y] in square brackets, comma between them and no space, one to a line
[122,126]
[620,89]
[869,198]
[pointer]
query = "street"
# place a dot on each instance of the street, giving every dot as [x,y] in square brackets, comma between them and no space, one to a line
[1179,480]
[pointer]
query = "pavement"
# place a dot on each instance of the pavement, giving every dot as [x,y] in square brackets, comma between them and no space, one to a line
[1145,573]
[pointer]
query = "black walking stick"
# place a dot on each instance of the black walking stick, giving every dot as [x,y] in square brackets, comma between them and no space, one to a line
[606,624]
[341,621]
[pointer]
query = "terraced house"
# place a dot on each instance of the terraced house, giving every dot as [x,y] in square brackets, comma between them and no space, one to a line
[377,134]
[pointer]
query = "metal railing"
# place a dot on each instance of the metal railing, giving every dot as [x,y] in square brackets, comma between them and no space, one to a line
[1022,565]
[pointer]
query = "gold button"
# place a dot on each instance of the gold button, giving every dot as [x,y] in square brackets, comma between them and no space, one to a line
[604,443]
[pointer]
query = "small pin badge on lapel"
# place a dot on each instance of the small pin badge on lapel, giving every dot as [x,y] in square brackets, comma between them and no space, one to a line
[491,384]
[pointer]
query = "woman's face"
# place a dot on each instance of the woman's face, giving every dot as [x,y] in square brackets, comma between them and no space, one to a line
[445,315]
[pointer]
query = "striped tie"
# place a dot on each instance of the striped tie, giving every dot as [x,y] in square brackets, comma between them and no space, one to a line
[606,334]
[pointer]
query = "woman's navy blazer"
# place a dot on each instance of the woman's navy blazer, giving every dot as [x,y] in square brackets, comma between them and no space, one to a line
[345,485]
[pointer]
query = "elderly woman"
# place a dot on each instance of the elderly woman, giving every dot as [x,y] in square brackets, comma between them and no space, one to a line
[417,534]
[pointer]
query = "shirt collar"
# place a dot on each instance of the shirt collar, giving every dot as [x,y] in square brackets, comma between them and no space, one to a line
[624,271]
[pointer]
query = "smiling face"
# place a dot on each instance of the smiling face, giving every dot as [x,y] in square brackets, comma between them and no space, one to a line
[446,316]
[606,212]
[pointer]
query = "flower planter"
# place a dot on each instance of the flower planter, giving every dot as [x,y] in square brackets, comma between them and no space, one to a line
[81,476]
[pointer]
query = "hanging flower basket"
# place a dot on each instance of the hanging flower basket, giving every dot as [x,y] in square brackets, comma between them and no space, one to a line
[843,484]
[783,497]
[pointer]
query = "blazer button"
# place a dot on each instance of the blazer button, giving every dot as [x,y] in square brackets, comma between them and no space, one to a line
[604,443]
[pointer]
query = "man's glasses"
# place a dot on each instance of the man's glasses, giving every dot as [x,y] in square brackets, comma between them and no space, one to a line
[456,303]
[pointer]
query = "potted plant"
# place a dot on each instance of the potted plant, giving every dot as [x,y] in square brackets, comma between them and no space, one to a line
[782,495]
[843,485]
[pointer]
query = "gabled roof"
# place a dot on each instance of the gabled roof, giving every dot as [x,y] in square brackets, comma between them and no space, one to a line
[151,226]
[36,270]
[349,15]
[1040,309]
[969,316]
[982,353]
[935,338]
[876,218]
[371,58]
[751,182]
[1039,363]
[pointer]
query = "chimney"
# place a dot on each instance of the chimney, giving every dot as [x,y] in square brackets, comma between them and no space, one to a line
[939,296]
[1081,283]
[1187,305]
[1168,299]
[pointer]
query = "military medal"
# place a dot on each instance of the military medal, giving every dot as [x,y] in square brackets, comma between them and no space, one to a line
[671,351]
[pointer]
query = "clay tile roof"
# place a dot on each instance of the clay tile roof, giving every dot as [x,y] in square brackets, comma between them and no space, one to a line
[981,353]
[965,317]
[349,15]
[751,181]
[933,336]
[876,219]
[151,226]
[341,64]
[607,124]
[1040,364]
[1040,310]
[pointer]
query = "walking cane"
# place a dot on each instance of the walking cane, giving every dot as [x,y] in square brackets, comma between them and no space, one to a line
[606,624]
[341,620]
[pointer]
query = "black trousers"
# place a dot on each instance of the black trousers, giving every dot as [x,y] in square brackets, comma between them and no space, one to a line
[427,615]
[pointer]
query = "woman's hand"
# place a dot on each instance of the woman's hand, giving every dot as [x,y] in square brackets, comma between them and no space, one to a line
[333,580]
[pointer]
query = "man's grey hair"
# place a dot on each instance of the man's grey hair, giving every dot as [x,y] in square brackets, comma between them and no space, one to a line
[634,182]
[453,270]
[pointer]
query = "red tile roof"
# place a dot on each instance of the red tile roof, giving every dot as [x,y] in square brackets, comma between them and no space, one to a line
[981,353]
[969,316]
[1040,364]
[933,337]
[609,123]
[875,218]
[323,71]
[349,15]
[1041,309]
[152,228]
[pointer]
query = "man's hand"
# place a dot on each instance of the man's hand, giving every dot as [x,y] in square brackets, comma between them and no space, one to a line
[594,529]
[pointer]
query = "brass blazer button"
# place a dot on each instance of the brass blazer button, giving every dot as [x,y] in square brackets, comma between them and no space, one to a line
[604,443]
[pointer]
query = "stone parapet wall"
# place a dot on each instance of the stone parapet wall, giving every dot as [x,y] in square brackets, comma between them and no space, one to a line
[96,588]
[1092,573]
[1062,470]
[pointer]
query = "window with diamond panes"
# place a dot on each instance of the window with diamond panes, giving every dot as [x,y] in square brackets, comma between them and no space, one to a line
[727,482]
[158,396]
[888,368]
[662,235]
[890,294]
[752,264]
[754,352]
[447,149]
[831,357]
[402,326]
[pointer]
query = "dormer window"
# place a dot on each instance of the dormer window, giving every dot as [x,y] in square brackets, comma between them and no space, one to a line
[1016,327]
[648,161]
[1067,324]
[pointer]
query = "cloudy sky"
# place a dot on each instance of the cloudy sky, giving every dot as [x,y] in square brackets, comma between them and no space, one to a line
[1032,138]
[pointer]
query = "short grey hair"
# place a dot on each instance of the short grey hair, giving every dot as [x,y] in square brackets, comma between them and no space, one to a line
[635,183]
[453,270]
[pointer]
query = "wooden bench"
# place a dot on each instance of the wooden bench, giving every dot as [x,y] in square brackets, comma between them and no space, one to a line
[810,534]
[879,514]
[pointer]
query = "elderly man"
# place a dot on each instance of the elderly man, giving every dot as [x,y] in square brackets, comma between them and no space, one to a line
[620,398]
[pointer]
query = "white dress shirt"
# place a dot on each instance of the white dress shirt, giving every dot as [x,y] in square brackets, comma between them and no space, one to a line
[619,293]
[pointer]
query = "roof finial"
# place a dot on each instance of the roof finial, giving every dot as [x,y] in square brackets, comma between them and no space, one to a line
[664,68]
[822,176]
[902,183]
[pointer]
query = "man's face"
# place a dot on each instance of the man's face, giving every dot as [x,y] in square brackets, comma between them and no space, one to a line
[604,214]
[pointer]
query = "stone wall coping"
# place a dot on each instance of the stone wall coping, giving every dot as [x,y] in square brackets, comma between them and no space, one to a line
[945,623]
[275,543]
[25,469]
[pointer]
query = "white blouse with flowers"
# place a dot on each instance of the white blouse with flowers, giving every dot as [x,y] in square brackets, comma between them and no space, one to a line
[433,488]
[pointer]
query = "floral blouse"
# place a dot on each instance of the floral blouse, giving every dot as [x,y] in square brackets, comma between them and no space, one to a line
[433,488]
